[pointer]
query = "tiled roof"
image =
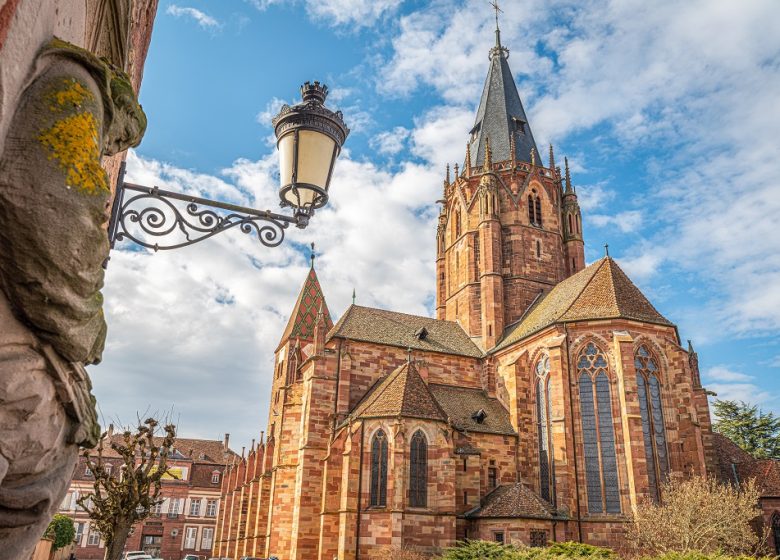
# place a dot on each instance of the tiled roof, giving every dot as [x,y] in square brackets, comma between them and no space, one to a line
[201,450]
[402,393]
[304,314]
[369,324]
[513,500]
[460,403]
[737,465]
[600,291]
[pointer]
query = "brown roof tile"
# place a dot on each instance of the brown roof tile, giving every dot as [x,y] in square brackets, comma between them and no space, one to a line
[766,473]
[369,324]
[402,393]
[600,291]
[459,403]
[513,500]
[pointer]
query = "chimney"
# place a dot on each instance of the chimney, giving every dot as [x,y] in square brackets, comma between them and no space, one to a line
[226,442]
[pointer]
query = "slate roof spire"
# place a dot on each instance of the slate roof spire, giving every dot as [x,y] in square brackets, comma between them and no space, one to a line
[309,305]
[500,114]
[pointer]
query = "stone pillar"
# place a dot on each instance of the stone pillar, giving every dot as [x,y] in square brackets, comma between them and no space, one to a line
[53,197]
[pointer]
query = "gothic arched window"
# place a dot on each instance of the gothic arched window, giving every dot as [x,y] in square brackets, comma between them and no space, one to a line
[651,410]
[418,471]
[598,434]
[538,202]
[546,465]
[457,224]
[531,210]
[571,229]
[379,469]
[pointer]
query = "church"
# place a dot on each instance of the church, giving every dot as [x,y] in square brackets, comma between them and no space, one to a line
[546,400]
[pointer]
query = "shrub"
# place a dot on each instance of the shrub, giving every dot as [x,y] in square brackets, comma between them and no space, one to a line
[395,553]
[61,531]
[578,550]
[480,550]
[703,556]
[697,515]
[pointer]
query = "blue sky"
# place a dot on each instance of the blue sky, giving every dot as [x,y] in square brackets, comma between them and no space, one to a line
[666,111]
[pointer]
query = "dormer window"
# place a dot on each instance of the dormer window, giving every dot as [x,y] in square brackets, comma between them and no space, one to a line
[479,416]
[474,131]
[421,333]
[519,125]
[215,477]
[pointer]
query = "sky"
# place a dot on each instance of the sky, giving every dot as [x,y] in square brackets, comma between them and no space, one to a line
[667,112]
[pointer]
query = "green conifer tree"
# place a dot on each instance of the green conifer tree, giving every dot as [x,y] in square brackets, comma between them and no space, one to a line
[756,432]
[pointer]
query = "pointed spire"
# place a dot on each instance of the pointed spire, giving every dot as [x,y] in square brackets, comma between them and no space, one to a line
[552,159]
[456,171]
[467,164]
[487,164]
[447,179]
[304,313]
[353,296]
[568,175]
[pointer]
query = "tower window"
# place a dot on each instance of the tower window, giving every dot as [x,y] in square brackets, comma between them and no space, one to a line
[457,224]
[492,477]
[534,209]
[651,411]
[378,492]
[418,471]
[538,249]
[531,210]
[571,229]
[598,434]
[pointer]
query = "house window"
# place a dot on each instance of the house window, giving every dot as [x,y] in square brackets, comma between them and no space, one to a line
[173,509]
[190,536]
[107,468]
[418,471]
[66,501]
[543,431]
[378,494]
[215,474]
[498,536]
[94,537]
[207,539]
[597,432]
[87,471]
[651,411]
[195,507]
[538,538]
[79,533]
[157,509]
[211,508]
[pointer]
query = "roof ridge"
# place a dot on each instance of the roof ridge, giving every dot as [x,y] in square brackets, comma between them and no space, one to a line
[383,385]
[616,269]
[436,403]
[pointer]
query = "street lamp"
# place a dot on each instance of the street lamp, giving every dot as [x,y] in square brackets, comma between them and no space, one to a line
[309,137]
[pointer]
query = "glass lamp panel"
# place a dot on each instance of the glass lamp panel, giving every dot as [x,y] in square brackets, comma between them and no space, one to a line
[286,159]
[315,153]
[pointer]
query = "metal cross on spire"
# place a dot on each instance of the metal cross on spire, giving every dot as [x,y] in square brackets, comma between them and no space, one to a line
[494,3]
[312,255]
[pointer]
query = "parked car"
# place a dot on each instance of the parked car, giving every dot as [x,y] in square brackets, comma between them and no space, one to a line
[136,555]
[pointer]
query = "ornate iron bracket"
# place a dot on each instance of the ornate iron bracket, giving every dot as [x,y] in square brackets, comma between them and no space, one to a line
[150,211]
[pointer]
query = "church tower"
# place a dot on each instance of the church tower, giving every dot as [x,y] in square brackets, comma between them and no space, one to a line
[509,229]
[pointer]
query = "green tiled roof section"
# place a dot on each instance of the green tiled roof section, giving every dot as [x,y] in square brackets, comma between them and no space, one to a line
[304,314]
[380,326]
[600,291]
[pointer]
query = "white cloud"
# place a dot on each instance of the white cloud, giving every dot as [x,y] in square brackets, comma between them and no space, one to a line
[626,222]
[390,141]
[732,385]
[202,19]
[359,13]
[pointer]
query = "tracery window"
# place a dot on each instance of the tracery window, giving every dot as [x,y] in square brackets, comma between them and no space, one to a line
[544,433]
[651,410]
[418,471]
[598,433]
[378,489]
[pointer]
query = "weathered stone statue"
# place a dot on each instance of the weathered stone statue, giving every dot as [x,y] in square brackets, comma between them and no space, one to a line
[53,209]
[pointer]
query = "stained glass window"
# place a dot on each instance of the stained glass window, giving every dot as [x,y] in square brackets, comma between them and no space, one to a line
[598,434]
[418,471]
[651,411]
[544,434]
[379,469]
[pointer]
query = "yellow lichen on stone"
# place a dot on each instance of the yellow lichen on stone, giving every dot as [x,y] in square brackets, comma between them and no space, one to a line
[73,142]
[72,95]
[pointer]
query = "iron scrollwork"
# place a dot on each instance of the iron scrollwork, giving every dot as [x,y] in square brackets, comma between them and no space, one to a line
[152,212]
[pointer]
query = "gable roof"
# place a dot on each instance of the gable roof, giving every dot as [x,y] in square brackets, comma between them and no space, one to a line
[369,324]
[600,291]
[304,313]
[402,393]
[460,403]
[736,465]
[513,500]
[499,110]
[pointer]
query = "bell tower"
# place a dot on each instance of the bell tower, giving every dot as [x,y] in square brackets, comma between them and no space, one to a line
[509,229]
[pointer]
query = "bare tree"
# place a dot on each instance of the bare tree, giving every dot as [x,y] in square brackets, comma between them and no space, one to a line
[698,515]
[121,499]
